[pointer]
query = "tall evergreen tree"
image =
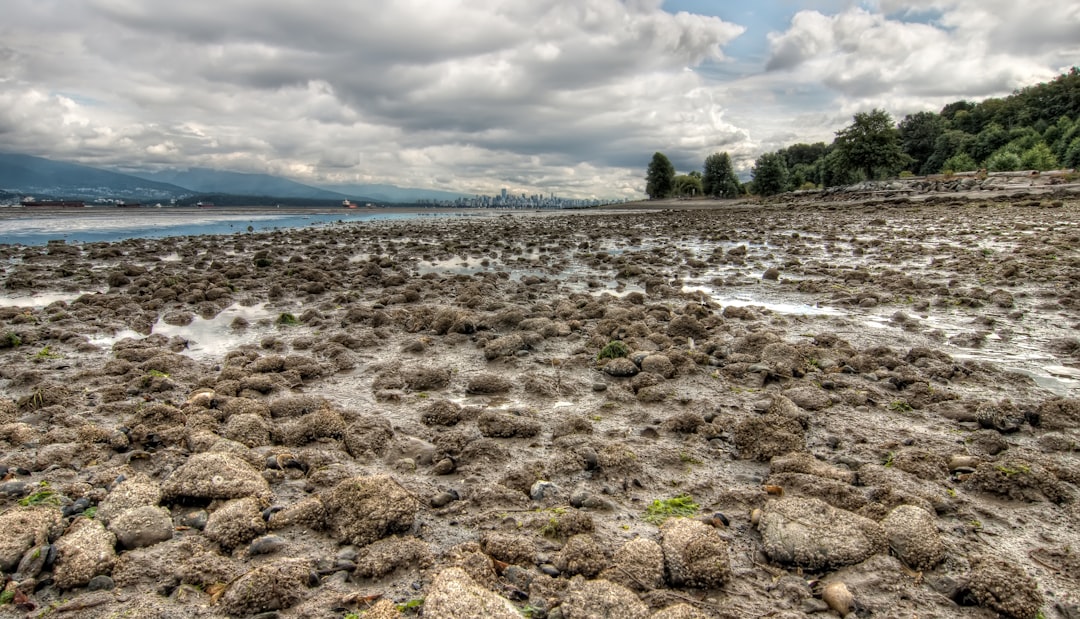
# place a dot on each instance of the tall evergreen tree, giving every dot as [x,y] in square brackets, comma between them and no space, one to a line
[719,179]
[660,177]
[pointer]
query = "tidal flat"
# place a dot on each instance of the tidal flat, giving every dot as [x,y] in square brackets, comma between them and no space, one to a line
[707,410]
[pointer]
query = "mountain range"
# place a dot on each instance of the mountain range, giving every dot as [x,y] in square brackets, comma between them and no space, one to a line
[44,178]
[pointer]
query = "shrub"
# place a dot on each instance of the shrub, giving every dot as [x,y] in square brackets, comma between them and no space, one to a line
[614,349]
[1003,161]
[959,163]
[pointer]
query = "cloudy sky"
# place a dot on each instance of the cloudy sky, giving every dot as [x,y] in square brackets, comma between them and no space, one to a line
[569,96]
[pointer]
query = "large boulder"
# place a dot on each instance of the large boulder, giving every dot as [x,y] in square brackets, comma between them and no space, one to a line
[362,510]
[694,554]
[913,535]
[23,528]
[594,599]
[136,491]
[272,586]
[139,527]
[811,534]
[85,551]
[211,475]
[455,595]
[1004,587]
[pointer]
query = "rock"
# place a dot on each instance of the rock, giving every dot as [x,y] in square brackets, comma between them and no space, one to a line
[25,527]
[100,583]
[86,550]
[500,425]
[660,365]
[235,523]
[508,548]
[271,586]
[765,436]
[454,595]
[802,462]
[811,534]
[913,536]
[810,398]
[581,555]
[681,610]
[621,367]
[136,491]
[694,554]
[209,476]
[266,545]
[444,498]
[543,489]
[1004,587]
[593,599]
[781,358]
[638,565]
[139,527]
[487,383]
[504,346]
[196,519]
[34,561]
[362,510]
[386,555]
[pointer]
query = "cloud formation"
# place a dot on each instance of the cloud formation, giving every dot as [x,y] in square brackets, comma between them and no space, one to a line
[474,95]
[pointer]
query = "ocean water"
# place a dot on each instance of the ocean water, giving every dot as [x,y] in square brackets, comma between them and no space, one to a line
[25,227]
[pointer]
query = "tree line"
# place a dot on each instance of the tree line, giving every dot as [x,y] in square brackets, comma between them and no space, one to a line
[1035,128]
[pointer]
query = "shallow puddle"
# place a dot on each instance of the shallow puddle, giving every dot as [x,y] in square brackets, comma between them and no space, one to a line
[217,336]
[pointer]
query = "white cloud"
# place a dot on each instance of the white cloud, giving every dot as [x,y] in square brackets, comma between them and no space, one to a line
[475,95]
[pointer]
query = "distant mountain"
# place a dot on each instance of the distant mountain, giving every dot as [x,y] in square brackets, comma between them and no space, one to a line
[392,193]
[36,176]
[204,180]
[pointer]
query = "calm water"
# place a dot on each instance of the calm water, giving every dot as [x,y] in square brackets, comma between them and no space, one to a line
[20,226]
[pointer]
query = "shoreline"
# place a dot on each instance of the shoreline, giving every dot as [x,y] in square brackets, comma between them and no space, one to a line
[331,416]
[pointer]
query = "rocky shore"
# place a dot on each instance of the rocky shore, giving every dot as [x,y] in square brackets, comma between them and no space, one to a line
[783,410]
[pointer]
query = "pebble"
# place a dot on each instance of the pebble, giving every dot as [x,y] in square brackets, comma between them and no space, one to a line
[265,545]
[599,387]
[15,488]
[814,605]
[550,570]
[444,467]
[444,498]
[100,583]
[543,489]
[196,519]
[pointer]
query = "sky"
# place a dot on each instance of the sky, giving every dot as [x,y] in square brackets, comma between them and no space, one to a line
[570,97]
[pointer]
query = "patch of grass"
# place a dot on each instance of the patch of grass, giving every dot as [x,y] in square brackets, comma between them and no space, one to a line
[6,596]
[900,406]
[287,319]
[613,350]
[44,496]
[688,458]
[662,509]
[11,340]
[46,353]
[413,606]
[90,512]
[157,374]
[889,459]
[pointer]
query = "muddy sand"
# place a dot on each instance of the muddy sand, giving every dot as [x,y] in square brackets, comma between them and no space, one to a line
[868,410]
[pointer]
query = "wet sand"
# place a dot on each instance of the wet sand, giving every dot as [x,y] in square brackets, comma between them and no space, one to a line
[479,412]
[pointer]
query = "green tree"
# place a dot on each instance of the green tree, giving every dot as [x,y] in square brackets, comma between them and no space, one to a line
[918,133]
[1072,154]
[871,144]
[770,174]
[1003,160]
[688,185]
[989,140]
[660,177]
[719,180]
[948,144]
[960,162]
[1039,157]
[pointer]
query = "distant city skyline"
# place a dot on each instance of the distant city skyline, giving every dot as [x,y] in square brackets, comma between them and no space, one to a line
[471,97]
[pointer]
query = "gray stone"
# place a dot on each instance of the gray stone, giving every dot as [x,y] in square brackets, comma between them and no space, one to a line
[602,598]
[543,489]
[811,534]
[22,528]
[913,536]
[216,476]
[86,550]
[141,526]
[694,554]
[455,595]
[362,510]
